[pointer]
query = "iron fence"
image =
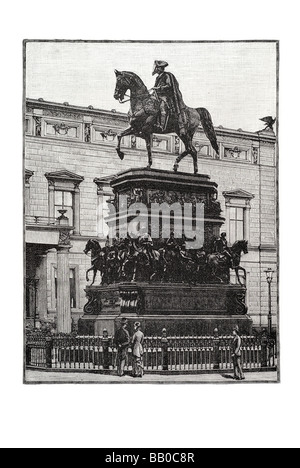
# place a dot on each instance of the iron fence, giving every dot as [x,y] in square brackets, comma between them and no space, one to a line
[161,354]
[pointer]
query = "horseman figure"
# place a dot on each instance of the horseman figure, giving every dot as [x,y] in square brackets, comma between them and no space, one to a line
[166,103]
[221,248]
[170,97]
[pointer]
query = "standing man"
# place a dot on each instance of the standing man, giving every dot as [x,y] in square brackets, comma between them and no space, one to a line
[170,97]
[138,351]
[122,341]
[237,354]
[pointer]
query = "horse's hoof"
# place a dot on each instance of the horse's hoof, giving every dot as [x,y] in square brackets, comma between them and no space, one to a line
[196,172]
[175,168]
[149,166]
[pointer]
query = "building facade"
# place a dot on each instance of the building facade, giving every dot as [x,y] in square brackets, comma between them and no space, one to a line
[70,159]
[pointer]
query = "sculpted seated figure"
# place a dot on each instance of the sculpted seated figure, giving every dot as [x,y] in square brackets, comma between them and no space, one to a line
[221,248]
[170,97]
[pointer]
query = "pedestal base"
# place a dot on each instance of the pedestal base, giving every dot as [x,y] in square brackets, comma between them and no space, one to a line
[181,309]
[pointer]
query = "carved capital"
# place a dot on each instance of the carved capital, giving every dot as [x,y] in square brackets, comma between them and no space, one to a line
[28,175]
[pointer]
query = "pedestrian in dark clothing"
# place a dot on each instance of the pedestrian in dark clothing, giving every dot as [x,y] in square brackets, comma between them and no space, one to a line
[237,355]
[122,342]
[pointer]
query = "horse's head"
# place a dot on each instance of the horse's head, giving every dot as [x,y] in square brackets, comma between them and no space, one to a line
[88,246]
[240,246]
[92,244]
[245,246]
[122,85]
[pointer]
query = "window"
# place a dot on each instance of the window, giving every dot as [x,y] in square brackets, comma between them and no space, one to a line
[236,224]
[64,194]
[238,206]
[64,201]
[73,288]
[105,197]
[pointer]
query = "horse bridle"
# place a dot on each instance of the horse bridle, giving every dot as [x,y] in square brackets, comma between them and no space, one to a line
[128,83]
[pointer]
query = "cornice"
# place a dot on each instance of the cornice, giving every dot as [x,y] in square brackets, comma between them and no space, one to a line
[90,111]
[239,193]
[64,175]
[67,108]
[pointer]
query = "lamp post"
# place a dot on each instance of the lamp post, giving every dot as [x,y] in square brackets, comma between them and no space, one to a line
[269,275]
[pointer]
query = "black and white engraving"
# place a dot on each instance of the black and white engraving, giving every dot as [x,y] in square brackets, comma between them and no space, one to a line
[151,213]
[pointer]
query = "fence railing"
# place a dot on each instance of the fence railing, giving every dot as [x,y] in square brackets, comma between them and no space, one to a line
[181,354]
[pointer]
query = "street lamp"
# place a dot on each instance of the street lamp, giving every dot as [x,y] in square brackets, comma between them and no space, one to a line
[269,275]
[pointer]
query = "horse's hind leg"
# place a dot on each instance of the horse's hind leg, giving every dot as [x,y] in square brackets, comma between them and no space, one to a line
[148,144]
[192,150]
[189,149]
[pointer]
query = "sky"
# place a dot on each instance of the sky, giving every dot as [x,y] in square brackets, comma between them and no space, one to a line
[236,82]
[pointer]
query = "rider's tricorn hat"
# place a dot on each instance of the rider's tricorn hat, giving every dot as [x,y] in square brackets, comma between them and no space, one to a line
[160,64]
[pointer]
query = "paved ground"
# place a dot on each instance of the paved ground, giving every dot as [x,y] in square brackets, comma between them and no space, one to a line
[33,376]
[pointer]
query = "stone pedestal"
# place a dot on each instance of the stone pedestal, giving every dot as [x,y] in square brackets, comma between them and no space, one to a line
[181,309]
[64,321]
[179,298]
[163,189]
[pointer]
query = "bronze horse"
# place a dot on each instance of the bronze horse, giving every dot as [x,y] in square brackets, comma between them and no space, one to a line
[143,113]
[97,259]
[218,262]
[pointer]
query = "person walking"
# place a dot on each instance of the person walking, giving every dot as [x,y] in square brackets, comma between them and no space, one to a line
[122,342]
[237,355]
[138,351]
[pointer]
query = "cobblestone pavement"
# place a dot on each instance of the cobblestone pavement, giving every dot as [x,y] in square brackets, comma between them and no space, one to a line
[35,376]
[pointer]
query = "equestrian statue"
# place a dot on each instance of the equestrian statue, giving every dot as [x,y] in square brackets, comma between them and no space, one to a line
[131,260]
[161,110]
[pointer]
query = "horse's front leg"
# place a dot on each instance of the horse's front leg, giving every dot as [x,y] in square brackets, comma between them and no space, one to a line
[240,268]
[87,273]
[148,145]
[128,131]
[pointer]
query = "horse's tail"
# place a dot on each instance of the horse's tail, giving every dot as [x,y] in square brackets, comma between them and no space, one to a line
[208,127]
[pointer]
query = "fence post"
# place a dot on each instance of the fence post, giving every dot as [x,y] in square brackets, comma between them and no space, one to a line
[164,346]
[105,346]
[264,349]
[49,343]
[216,351]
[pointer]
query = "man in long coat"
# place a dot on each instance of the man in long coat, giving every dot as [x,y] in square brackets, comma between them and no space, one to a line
[122,342]
[237,355]
[169,94]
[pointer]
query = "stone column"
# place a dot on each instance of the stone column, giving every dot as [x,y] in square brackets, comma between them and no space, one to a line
[42,287]
[64,321]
